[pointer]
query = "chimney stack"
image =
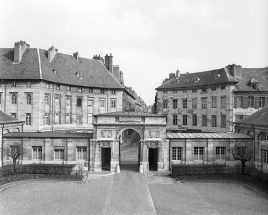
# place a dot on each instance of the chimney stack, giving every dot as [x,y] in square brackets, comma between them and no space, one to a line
[235,70]
[178,74]
[107,62]
[76,55]
[19,49]
[111,63]
[51,53]
[171,75]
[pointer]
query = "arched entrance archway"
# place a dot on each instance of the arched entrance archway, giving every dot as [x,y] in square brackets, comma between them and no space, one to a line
[129,148]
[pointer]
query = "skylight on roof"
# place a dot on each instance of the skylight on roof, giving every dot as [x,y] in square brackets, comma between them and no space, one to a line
[196,80]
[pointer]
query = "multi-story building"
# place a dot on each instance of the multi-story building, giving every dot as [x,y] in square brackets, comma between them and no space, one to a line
[54,91]
[256,126]
[208,101]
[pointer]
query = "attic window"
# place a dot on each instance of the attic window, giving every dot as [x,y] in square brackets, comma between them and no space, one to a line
[217,76]
[55,71]
[185,81]
[196,80]
[254,86]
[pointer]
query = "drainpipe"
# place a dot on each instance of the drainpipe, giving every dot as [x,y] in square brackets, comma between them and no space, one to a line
[2,146]
[5,102]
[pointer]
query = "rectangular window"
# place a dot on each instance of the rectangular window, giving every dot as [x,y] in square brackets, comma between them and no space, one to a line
[204,120]
[176,153]
[14,84]
[204,90]
[175,103]
[46,119]
[194,117]
[81,153]
[57,101]
[194,103]
[28,120]
[204,102]
[214,102]
[222,87]
[90,102]
[79,89]
[14,115]
[102,103]
[220,153]
[184,91]
[89,118]
[213,88]
[175,119]
[68,88]
[79,102]
[59,154]
[223,121]
[57,118]
[165,104]
[251,101]
[113,103]
[265,156]
[68,119]
[14,99]
[68,101]
[184,103]
[240,101]
[194,90]
[47,96]
[102,91]
[165,92]
[241,150]
[214,121]
[47,85]
[184,120]
[28,99]
[198,153]
[37,152]
[57,87]
[262,101]
[223,102]
[90,90]
[264,136]
[113,92]
[28,84]
[175,91]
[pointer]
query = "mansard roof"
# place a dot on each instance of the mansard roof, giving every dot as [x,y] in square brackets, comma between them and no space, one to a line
[63,69]
[7,119]
[130,114]
[199,79]
[253,75]
[48,135]
[258,118]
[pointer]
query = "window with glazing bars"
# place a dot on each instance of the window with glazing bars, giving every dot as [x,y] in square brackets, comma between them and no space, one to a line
[220,153]
[198,153]
[176,153]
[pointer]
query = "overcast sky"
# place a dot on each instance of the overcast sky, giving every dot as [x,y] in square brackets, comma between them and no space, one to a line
[148,38]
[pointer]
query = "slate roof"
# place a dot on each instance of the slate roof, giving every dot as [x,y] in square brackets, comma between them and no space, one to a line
[206,78]
[258,118]
[7,119]
[130,114]
[48,135]
[207,135]
[259,74]
[93,72]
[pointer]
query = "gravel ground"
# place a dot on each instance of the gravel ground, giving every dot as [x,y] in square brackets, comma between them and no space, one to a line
[207,198]
[132,193]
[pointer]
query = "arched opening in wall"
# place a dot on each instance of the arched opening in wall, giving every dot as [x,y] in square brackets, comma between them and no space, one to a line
[129,151]
[250,133]
[6,131]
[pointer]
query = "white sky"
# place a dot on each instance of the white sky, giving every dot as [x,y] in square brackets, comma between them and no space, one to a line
[148,38]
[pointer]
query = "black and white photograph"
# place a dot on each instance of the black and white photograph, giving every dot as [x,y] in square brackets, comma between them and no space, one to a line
[134,107]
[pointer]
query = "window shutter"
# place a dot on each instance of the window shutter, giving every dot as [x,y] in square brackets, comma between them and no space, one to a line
[235,101]
[245,102]
[256,102]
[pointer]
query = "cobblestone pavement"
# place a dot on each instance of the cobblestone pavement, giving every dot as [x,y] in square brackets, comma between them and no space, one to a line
[132,193]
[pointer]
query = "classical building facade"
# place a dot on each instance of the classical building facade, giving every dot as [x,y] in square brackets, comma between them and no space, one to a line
[210,101]
[256,126]
[52,91]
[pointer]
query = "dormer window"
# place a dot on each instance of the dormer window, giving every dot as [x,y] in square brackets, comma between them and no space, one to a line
[55,71]
[254,83]
[196,80]
[217,76]
[185,81]
[254,86]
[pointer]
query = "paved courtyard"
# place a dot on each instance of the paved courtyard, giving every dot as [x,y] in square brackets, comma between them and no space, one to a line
[132,193]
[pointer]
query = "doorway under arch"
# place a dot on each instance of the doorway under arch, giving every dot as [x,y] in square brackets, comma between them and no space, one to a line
[129,149]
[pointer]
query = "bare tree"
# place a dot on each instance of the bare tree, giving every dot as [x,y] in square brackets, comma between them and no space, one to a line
[14,152]
[243,154]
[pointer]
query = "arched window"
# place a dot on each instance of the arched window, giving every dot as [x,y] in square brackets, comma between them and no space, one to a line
[250,133]
[14,99]
[29,99]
